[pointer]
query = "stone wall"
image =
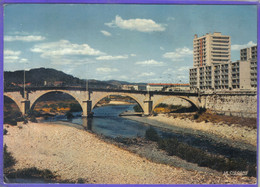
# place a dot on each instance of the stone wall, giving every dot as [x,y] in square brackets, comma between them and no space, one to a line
[243,105]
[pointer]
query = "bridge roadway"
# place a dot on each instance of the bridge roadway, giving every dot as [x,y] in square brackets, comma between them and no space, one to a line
[147,100]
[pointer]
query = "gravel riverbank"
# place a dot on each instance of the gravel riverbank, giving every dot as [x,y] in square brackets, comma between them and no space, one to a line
[73,153]
[235,136]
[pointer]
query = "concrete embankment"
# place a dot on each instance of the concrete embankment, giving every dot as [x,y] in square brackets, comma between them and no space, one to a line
[73,153]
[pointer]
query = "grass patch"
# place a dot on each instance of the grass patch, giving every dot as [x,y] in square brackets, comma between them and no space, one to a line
[31,173]
[151,134]
[195,155]
[9,160]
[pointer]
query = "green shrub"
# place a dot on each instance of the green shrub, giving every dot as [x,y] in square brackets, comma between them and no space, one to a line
[62,105]
[151,134]
[8,158]
[45,106]
[169,145]
[137,108]
[5,132]
[80,181]
[196,116]
[252,170]
[69,115]
[175,107]
[75,107]
[33,119]
[163,105]
[32,172]
[53,106]
[201,110]
[195,155]
[12,122]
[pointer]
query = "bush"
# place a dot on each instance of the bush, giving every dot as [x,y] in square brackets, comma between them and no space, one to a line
[195,155]
[196,116]
[5,132]
[163,105]
[175,107]
[75,107]
[151,134]
[69,115]
[137,108]
[201,110]
[12,122]
[80,181]
[33,119]
[8,158]
[25,121]
[32,173]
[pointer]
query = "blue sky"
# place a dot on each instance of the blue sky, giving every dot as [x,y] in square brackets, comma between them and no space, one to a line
[135,43]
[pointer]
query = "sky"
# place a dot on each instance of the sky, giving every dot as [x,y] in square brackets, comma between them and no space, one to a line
[134,43]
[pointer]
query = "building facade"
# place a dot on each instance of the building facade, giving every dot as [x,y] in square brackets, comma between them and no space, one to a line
[168,87]
[213,69]
[210,49]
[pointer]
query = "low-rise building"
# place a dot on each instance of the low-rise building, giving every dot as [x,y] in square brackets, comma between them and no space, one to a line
[167,86]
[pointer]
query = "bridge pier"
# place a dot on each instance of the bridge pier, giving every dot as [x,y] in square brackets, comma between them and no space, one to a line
[148,107]
[25,106]
[87,105]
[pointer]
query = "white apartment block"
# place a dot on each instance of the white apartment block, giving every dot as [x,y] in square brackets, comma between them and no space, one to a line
[217,72]
[211,48]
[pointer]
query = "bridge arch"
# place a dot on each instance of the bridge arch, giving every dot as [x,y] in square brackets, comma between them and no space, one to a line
[103,95]
[35,97]
[160,100]
[17,101]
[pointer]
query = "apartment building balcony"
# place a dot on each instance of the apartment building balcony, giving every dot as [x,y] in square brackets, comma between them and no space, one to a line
[224,79]
[225,73]
[235,84]
[253,83]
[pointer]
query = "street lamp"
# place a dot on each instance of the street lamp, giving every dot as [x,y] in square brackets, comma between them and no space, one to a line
[24,83]
[24,80]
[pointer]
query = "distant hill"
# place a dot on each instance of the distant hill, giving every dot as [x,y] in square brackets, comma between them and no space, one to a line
[116,82]
[49,77]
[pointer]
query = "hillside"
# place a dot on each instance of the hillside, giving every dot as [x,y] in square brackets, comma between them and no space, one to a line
[49,77]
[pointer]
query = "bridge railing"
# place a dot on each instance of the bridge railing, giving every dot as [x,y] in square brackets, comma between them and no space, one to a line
[34,88]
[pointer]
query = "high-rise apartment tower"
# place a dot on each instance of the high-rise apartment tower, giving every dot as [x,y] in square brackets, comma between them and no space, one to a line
[211,49]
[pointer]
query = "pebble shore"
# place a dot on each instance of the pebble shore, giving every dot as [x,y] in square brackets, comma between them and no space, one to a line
[73,153]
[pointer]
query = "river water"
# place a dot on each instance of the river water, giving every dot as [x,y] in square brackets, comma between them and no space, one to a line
[107,122]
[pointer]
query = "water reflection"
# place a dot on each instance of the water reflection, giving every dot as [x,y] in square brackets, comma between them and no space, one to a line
[87,123]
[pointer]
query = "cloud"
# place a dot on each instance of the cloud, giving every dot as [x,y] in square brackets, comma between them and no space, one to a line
[178,54]
[183,69]
[64,47]
[162,48]
[170,18]
[13,57]
[146,74]
[150,63]
[106,70]
[73,61]
[133,55]
[29,38]
[141,25]
[106,33]
[108,57]
[237,47]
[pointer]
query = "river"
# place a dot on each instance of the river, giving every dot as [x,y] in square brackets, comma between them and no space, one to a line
[107,122]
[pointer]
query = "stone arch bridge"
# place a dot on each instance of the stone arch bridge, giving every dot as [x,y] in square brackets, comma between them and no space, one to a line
[26,100]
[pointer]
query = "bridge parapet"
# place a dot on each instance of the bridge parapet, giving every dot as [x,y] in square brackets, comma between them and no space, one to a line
[89,99]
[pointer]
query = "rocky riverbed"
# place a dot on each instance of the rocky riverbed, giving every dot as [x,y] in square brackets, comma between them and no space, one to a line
[72,153]
[233,135]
